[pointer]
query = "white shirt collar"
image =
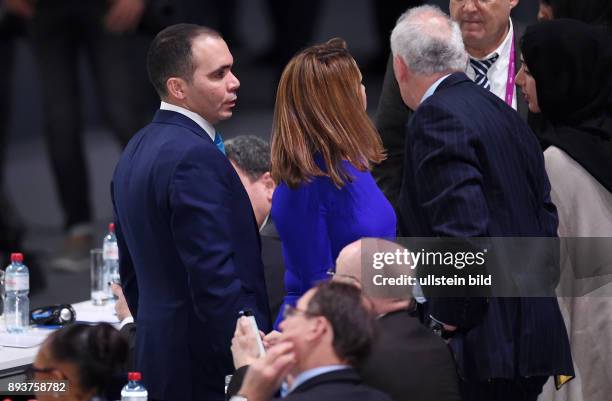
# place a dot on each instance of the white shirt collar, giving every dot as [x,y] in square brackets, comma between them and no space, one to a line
[264,222]
[498,73]
[433,88]
[205,125]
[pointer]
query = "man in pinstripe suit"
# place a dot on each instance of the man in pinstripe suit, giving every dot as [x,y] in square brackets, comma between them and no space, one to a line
[473,168]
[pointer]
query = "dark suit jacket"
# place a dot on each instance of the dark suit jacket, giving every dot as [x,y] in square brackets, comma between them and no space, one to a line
[274,265]
[473,168]
[409,362]
[189,256]
[391,118]
[343,384]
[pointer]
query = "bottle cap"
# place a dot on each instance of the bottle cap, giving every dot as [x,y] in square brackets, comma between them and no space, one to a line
[134,376]
[111,227]
[17,257]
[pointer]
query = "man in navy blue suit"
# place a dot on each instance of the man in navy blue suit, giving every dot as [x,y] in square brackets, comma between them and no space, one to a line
[473,168]
[188,242]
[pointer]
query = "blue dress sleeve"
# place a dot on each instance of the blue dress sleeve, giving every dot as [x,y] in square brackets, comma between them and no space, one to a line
[300,219]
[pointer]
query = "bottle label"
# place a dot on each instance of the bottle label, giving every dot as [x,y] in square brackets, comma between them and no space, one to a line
[110,252]
[17,283]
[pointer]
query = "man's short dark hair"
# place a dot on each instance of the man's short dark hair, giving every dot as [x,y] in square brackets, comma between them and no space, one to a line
[170,54]
[250,153]
[353,325]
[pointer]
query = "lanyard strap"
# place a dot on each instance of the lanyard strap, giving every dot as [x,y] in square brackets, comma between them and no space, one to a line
[511,75]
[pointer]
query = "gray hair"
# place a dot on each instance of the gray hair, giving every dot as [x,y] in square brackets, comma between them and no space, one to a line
[429,41]
[250,153]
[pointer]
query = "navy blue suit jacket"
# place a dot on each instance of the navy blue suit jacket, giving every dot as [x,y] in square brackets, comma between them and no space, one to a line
[189,256]
[473,168]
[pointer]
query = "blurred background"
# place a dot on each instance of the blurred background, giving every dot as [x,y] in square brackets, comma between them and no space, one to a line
[262,35]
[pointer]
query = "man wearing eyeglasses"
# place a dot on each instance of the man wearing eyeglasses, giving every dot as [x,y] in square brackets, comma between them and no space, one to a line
[324,338]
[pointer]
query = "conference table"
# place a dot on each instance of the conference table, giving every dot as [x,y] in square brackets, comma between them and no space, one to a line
[17,351]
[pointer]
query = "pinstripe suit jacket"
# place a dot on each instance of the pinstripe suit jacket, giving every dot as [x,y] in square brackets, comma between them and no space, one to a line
[473,168]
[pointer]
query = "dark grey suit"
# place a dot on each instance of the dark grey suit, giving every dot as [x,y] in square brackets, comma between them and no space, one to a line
[409,362]
[274,265]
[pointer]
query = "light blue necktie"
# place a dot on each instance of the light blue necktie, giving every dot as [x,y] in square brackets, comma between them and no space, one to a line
[219,142]
[481,67]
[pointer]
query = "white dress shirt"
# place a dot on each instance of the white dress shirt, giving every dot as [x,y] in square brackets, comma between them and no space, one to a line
[205,125]
[498,73]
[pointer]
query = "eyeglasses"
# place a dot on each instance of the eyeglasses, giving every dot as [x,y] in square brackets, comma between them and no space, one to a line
[31,370]
[482,2]
[289,311]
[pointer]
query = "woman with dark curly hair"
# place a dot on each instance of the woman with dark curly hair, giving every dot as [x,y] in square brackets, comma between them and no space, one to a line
[87,357]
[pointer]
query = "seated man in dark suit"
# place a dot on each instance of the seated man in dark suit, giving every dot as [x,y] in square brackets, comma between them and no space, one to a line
[324,337]
[250,157]
[408,361]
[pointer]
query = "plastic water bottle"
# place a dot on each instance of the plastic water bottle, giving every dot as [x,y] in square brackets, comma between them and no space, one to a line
[134,390]
[16,301]
[110,256]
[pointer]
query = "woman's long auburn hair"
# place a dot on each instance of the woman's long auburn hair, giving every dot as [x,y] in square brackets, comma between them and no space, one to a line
[319,109]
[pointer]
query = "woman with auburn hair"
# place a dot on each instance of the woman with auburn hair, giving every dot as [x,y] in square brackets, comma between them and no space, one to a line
[323,147]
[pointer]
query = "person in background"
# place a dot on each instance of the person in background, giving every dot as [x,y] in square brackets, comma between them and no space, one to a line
[408,361]
[107,33]
[88,357]
[323,147]
[566,78]
[250,156]
[13,14]
[324,339]
[490,37]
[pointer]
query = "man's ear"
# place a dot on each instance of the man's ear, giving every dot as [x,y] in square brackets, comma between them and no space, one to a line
[400,69]
[320,328]
[513,3]
[176,88]
[269,185]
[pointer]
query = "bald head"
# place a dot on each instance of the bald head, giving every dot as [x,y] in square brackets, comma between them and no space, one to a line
[348,264]
[356,265]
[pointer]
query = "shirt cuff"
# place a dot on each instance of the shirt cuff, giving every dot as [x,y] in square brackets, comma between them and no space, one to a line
[125,321]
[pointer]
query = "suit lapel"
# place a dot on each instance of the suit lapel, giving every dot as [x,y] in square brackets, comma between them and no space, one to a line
[172,117]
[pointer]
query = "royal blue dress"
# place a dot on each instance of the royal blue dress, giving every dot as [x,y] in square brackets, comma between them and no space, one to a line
[316,220]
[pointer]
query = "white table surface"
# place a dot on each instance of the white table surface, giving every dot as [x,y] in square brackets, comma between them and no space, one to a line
[11,357]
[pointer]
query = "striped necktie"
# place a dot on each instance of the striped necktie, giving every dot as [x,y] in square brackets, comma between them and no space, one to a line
[219,142]
[481,67]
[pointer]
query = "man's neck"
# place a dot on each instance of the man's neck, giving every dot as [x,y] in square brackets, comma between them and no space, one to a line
[201,121]
[479,53]
[317,359]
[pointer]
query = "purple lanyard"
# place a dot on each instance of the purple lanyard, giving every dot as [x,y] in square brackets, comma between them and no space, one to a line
[511,75]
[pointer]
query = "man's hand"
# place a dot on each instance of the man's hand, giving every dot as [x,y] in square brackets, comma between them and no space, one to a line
[244,345]
[121,306]
[271,339]
[265,375]
[123,15]
[22,8]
